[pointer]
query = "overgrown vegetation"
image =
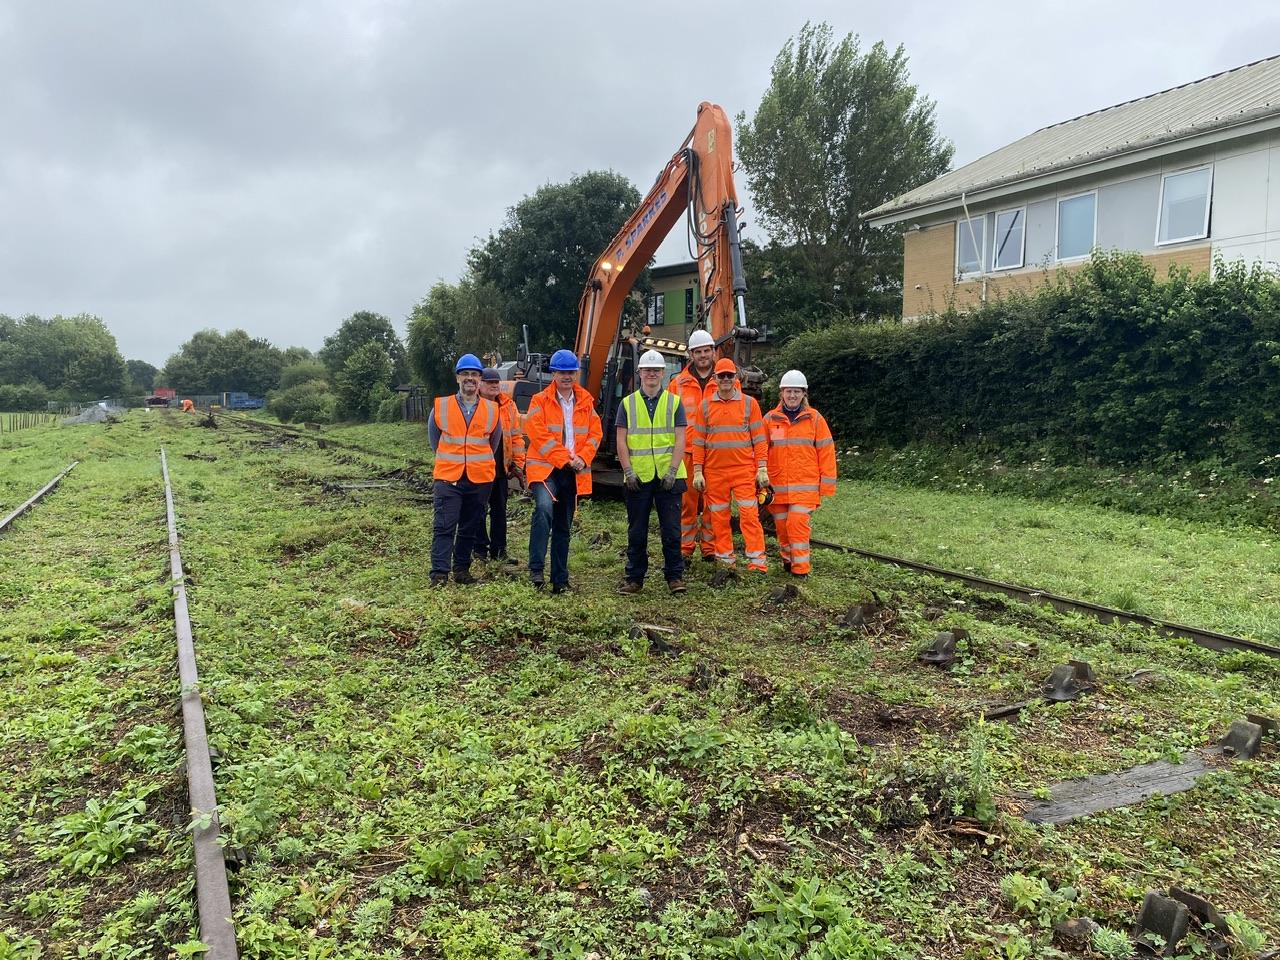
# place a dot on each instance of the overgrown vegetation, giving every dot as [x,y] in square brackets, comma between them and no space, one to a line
[496,772]
[1106,363]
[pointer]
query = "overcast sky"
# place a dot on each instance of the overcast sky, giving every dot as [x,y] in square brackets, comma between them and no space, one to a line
[278,166]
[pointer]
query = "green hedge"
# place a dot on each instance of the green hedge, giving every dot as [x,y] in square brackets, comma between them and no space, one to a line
[1105,363]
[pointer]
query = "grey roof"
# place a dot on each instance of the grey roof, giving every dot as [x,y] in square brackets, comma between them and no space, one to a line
[1224,100]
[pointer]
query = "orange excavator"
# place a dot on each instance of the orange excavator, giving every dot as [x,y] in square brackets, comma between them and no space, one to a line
[697,182]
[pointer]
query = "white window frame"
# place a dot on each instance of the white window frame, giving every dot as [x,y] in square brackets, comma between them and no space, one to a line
[1057,228]
[1208,205]
[962,225]
[995,232]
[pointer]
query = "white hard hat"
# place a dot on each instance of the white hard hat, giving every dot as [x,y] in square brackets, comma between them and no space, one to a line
[793,378]
[651,358]
[700,338]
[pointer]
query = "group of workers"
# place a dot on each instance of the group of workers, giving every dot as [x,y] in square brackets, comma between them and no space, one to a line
[692,452]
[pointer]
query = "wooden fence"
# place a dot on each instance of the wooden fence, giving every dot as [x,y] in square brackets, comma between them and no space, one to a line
[12,422]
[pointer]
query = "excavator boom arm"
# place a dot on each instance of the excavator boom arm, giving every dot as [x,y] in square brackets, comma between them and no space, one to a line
[698,179]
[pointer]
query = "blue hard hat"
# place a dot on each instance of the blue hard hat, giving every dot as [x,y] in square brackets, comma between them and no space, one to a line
[468,361]
[563,360]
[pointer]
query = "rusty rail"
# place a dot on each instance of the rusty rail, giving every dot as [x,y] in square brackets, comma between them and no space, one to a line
[213,898]
[1210,639]
[39,494]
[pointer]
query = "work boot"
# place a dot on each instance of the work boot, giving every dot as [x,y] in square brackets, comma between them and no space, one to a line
[786,566]
[509,561]
[464,577]
[708,558]
[537,583]
[439,579]
[629,587]
[676,586]
[560,588]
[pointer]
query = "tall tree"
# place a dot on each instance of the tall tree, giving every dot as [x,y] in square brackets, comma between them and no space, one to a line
[837,133]
[76,357]
[451,320]
[363,381]
[539,259]
[142,375]
[360,328]
[211,362]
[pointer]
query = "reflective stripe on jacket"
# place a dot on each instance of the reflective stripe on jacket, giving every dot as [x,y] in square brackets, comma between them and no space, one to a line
[465,447]
[730,434]
[802,457]
[544,426]
[512,432]
[651,442]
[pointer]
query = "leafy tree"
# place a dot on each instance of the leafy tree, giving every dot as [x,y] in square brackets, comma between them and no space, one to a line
[301,371]
[142,375]
[72,356]
[363,382]
[539,259]
[451,320]
[311,401]
[837,133]
[294,355]
[211,362]
[358,329]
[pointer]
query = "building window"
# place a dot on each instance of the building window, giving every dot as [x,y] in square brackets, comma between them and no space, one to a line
[1077,226]
[971,245]
[657,314]
[1007,244]
[1184,205]
[688,306]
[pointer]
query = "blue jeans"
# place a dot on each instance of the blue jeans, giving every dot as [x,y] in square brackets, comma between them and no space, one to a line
[554,501]
[459,510]
[640,504]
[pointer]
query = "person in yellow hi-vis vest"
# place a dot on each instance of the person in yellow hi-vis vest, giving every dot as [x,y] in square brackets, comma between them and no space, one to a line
[651,440]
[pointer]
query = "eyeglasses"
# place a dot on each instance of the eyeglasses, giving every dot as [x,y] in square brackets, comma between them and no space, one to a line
[725,376]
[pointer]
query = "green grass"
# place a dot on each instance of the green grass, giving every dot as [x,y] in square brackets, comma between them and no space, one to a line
[1185,571]
[497,772]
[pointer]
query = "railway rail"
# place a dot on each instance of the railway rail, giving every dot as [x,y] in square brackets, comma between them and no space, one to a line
[213,897]
[1209,639]
[36,497]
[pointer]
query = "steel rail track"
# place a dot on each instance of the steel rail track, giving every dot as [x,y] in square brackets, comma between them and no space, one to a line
[213,898]
[1210,639]
[39,494]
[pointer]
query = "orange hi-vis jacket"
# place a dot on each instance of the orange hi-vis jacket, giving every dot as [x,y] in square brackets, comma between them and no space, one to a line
[729,435]
[512,432]
[465,447]
[802,457]
[691,393]
[544,426]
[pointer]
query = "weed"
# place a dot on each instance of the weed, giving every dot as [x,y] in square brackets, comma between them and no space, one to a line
[1111,944]
[105,833]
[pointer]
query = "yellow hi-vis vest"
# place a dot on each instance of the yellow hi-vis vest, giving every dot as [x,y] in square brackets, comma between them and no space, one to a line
[651,442]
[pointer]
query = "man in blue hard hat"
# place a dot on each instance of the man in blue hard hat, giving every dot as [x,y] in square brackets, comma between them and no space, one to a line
[464,431]
[564,433]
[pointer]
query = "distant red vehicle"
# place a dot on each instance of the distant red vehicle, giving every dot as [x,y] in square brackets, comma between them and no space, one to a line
[162,397]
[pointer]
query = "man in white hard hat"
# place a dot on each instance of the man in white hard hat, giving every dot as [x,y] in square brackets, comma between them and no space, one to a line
[651,442]
[692,385]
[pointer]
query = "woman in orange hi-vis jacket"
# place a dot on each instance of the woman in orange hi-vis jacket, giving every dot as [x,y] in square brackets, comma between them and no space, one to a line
[802,464]
[730,461]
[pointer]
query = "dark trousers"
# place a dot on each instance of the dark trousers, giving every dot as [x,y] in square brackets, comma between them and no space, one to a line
[459,511]
[493,542]
[640,504]
[554,501]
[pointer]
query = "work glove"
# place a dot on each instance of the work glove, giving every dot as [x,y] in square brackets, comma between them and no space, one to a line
[699,481]
[631,480]
[669,479]
[762,477]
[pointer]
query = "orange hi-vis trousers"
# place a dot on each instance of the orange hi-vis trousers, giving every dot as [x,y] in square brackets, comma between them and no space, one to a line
[695,522]
[791,520]
[724,491]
